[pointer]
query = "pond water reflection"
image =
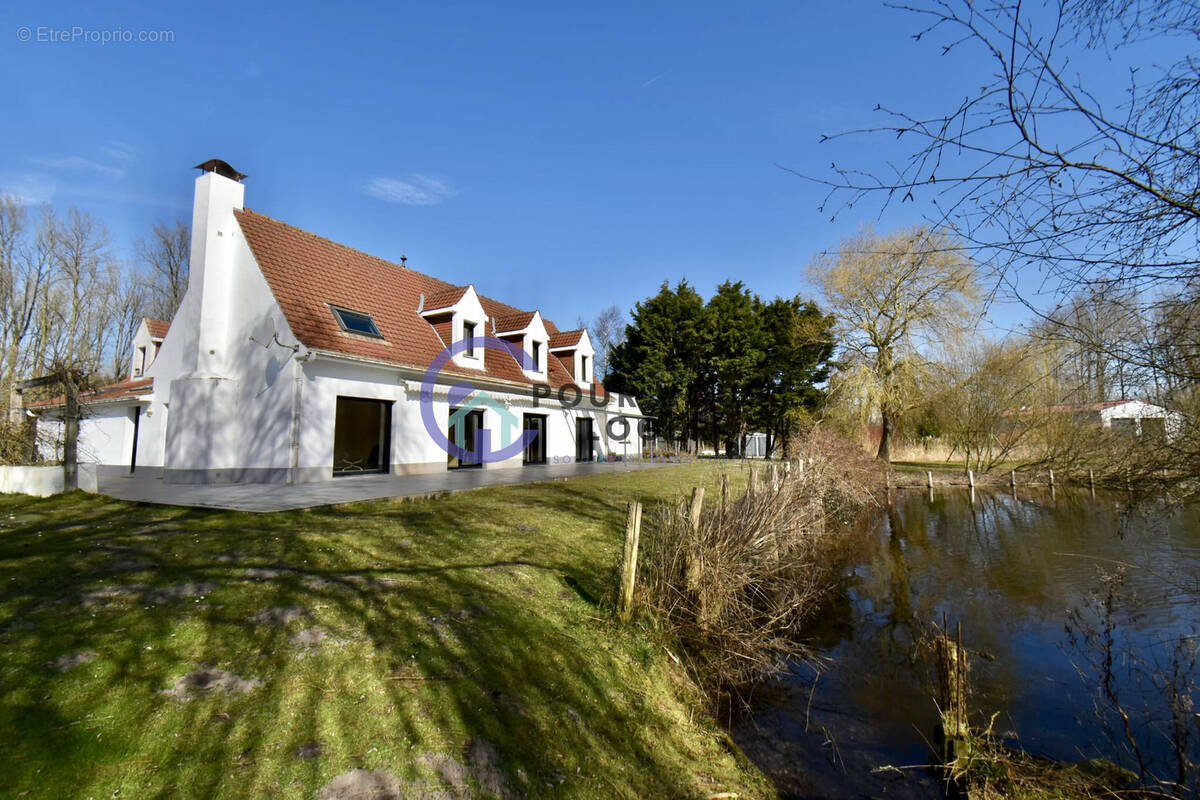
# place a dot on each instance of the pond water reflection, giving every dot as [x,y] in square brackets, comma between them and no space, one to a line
[1011,571]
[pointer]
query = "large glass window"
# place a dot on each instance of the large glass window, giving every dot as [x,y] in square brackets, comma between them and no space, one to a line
[361,436]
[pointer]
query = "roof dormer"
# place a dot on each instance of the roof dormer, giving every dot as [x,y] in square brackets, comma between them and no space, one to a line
[146,343]
[457,315]
[574,349]
[527,331]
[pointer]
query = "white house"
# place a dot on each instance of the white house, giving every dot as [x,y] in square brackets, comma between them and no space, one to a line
[294,358]
[1133,416]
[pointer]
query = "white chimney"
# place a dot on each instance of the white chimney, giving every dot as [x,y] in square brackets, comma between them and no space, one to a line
[219,192]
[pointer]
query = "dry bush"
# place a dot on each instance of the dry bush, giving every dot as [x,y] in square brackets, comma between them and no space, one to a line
[17,443]
[736,589]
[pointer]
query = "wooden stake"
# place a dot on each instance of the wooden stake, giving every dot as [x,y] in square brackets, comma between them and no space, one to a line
[1092,482]
[752,484]
[697,505]
[633,532]
[724,494]
[929,478]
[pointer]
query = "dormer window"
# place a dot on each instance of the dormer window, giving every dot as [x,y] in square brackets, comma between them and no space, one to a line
[583,368]
[356,322]
[469,335]
[536,352]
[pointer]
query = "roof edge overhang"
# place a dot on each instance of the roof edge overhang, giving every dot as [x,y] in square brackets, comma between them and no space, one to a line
[418,373]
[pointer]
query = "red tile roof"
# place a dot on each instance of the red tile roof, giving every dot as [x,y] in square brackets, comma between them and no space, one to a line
[308,273]
[444,299]
[113,392]
[157,327]
[514,322]
[565,339]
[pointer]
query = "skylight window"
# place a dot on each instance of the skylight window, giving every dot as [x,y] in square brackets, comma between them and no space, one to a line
[356,322]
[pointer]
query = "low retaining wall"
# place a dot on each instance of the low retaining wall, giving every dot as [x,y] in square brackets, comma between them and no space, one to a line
[44,481]
[37,481]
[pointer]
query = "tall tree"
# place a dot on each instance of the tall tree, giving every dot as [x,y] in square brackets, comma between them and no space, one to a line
[660,358]
[894,296]
[735,348]
[798,339]
[166,254]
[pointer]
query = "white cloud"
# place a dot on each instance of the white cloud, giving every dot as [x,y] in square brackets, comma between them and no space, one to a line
[119,151]
[29,189]
[77,164]
[413,190]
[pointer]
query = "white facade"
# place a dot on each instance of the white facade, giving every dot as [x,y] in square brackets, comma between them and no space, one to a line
[1131,415]
[238,398]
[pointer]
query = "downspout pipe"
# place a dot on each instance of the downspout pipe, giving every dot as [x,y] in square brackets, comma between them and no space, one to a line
[293,473]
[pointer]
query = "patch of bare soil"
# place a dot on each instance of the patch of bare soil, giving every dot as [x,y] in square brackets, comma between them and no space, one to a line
[265,573]
[179,591]
[482,765]
[449,769]
[106,593]
[315,583]
[485,766]
[361,784]
[280,615]
[72,660]
[307,752]
[208,680]
[311,639]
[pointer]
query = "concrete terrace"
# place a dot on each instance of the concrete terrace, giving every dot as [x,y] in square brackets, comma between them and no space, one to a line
[268,497]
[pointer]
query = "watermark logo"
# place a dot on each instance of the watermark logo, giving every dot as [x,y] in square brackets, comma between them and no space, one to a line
[78,34]
[474,444]
[465,399]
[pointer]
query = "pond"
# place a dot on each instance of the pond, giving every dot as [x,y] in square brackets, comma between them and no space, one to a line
[1026,578]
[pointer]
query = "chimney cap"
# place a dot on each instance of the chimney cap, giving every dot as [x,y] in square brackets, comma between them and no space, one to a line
[222,168]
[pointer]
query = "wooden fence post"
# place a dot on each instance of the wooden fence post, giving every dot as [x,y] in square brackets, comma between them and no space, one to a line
[929,478]
[1092,482]
[724,494]
[697,505]
[633,532]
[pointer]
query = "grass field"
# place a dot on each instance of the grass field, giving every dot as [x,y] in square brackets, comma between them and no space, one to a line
[463,646]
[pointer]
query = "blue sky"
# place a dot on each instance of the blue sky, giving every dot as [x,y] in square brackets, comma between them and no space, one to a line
[558,155]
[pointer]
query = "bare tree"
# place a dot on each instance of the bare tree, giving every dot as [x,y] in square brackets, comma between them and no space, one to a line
[895,297]
[166,252]
[128,299]
[996,400]
[25,266]
[607,330]
[1092,178]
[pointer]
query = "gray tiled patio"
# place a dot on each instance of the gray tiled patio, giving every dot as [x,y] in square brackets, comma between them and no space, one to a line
[265,497]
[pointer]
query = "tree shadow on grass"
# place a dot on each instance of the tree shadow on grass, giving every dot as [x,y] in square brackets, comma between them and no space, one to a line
[446,635]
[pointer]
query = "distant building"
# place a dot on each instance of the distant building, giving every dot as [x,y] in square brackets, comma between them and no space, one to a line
[1136,417]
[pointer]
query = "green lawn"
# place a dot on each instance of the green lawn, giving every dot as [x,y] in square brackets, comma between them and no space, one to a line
[464,645]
